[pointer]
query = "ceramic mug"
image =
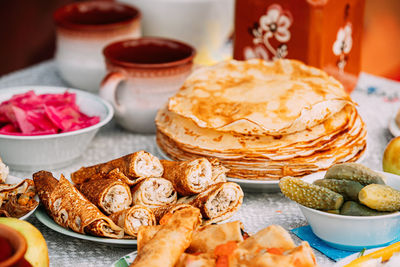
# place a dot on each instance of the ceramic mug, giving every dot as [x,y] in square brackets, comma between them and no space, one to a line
[142,74]
[204,24]
[83,30]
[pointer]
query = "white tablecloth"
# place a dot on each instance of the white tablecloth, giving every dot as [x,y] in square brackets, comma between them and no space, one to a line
[378,100]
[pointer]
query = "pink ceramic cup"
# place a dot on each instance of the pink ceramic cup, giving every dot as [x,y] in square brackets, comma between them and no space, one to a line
[142,74]
[83,30]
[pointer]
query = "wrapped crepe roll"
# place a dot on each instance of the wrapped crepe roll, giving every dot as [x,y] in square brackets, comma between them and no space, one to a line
[204,239]
[107,194]
[218,202]
[133,166]
[218,171]
[132,218]
[165,212]
[188,177]
[167,245]
[154,192]
[70,209]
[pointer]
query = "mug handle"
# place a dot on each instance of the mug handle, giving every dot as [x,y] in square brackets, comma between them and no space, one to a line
[109,87]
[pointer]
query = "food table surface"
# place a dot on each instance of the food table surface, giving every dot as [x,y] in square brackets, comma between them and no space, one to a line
[378,99]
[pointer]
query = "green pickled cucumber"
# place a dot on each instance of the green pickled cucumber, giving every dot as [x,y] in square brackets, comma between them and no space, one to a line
[380,197]
[347,188]
[353,208]
[310,195]
[355,172]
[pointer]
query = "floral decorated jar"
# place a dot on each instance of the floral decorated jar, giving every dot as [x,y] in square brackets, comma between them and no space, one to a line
[322,33]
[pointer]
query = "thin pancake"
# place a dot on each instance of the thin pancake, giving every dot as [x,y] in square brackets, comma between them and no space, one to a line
[258,97]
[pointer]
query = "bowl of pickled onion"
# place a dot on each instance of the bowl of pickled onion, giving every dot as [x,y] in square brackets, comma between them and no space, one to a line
[46,127]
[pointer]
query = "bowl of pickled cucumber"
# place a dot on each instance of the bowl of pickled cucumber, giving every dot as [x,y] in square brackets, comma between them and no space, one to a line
[351,207]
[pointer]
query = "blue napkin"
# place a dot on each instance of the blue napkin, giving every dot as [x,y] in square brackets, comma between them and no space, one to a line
[315,242]
[307,234]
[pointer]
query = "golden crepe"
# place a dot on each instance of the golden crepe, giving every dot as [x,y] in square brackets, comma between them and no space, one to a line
[204,239]
[188,177]
[133,166]
[262,120]
[167,245]
[70,209]
[218,202]
[108,195]
[270,247]
[154,192]
[218,171]
[133,218]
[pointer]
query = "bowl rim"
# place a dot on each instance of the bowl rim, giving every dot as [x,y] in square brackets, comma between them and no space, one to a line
[349,217]
[18,252]
[49,89]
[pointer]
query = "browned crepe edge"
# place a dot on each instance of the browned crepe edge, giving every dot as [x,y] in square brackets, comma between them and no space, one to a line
[121,218]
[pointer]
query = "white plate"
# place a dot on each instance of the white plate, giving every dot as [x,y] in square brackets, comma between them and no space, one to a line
[15,180]
[42,216]
[262,186]
[126,260]
[393,128]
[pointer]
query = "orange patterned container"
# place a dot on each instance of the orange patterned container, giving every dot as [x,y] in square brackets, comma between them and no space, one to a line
[322,33]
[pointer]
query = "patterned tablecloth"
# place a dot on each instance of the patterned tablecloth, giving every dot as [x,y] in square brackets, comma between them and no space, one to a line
[378,101]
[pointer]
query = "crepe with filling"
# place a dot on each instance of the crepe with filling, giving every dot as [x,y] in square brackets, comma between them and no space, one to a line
[133,218]
[108,195]
[70,209]
[188,177]
[218,171]
[258,97]
[16,200]
[163,213]
[154,193]
[3,172]
[133,166]
[18,205]
[167,245]
[205,238]
[218,202]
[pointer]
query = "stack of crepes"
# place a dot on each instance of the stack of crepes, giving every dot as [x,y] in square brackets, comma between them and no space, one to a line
[262,120]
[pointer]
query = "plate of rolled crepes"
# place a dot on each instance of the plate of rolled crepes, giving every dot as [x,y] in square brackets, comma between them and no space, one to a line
[182,241]
[18,197]
[110,201]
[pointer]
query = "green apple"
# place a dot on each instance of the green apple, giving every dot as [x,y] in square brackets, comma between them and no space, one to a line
[391,157]
[37,253]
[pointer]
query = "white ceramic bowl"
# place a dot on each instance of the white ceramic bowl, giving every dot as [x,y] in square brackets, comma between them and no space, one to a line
[32,153]
[355,232]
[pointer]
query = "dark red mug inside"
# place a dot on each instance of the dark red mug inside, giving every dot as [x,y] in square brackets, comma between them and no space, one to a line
[148,52]
[94,14]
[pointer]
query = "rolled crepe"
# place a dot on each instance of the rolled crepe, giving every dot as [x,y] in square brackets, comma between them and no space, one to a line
[70,209]
[133,166]
[205,239]
[154,192]
[107,194]
[132,218]
[163,213]
[218,171]
[188,177]
[218,202]
[167,245]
